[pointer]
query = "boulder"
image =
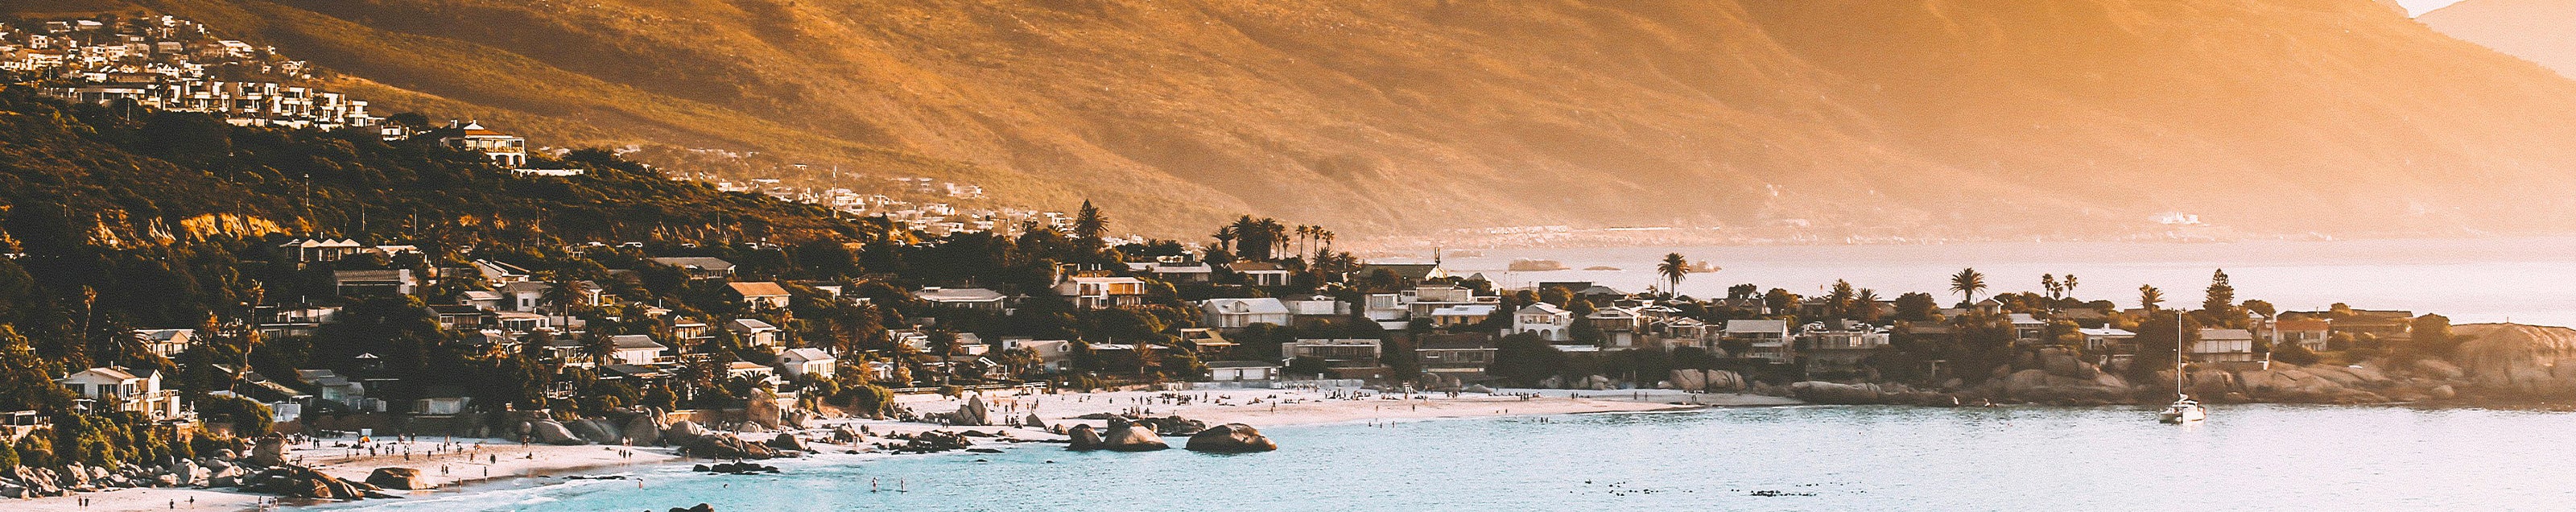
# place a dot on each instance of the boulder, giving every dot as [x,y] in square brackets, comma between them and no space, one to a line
[974,413]
[1083,437]
[1231,438]
[407,479]
[1832,393]
[682,432]
[787,441]
[596,431]
[726,446]
[762,409]
[1034,422]
[643,431]
[1127,436]
[270,452]
[550,432]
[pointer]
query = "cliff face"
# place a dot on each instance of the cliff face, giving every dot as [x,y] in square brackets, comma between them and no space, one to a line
[1964,117]
[2526,358]
[2535,30]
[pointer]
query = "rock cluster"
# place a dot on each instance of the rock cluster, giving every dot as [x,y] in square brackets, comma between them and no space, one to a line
[1231,438]
[737,468]
[927,442]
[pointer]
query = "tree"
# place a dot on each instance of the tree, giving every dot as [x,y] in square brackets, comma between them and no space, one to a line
[2048,282]
[1840,300]
[945,343]
[2067,286]
[1089,225]
[2221,299]
[1780,301]
[2149,296]
[2261,307]
[1865,305]
[1674,268]
[1968,282]
[2432,336]
[1916,307]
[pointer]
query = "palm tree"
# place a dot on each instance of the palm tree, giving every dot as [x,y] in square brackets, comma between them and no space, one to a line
[1866,301]
[2048,282]
[2067,286]
[946,344]
[1841,298]
[2149,296]
[1968,282]
[1225,238]
[1674,268]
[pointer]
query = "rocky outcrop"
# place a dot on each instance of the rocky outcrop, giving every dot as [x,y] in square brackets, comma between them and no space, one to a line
[973,414]
[682,432]
[1083,437]
[762,409]
[300,482]
[1831,393]
[596,431]
[399,478]
[726,446]
[1126,436]
[788,441]
[269,451]
[1172,425]
[2514,358]
[551,432]
[1707,380]
[2058,377]
[644,430]
[1231,438]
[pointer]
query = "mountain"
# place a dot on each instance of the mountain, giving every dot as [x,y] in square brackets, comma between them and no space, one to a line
[1962,117]
[2535,30]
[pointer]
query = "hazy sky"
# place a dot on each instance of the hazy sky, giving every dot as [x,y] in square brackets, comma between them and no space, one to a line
[2419,6]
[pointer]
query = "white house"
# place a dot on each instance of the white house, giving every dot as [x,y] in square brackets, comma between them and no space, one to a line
[1769,339]
[1243,371]
[126,391]
[1052,355]
[2109,341]
[1545,320]
[799,362]
[2223,345]
[1259,273]
[637,349]
[760,295]
[1102,292]
[965,298]
[167,342]
[753,332]
[1241,313]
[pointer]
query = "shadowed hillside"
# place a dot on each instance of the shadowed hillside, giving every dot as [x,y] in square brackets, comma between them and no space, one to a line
[2536,30]
[1963,118]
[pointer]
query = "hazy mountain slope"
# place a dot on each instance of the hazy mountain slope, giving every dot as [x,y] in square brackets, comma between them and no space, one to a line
[1964,116]
[2542,31]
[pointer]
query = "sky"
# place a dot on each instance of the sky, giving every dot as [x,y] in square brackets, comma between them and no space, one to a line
[2414,7]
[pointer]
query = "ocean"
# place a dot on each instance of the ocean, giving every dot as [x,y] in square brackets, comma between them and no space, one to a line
[2247,457]
[2528,280]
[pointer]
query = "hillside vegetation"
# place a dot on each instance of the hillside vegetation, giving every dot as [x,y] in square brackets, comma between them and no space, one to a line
[1979,117]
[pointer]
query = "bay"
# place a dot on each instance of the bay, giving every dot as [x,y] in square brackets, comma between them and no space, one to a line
[2249,457]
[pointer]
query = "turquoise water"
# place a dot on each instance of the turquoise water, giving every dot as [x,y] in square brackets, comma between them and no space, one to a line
[1789,458]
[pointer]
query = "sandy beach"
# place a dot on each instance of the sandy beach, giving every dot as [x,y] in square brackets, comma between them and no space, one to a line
[451,462]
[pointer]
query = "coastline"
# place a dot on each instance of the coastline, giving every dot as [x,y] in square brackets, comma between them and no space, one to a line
[544,465]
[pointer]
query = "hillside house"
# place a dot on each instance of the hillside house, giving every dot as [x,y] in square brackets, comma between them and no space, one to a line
[699,267]
[2223,345]
[505,150]
[126,390]
[981,299]
[1241,313]
[800,362]
[760,295]
[1764,339]
[1545,320]
[754,333]
[167,342]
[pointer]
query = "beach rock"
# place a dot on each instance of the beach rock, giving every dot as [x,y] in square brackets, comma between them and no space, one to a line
[762,409]
[2047,387]
[1231,438]
[407,479]
[1832,393]
[1034,422]
[702,507]
[643,431]
[787,441]
[1083,438]
[550,432]
[1125,436]
[596,431]
[682,433]
[726,446]
[270,452]
[973,414]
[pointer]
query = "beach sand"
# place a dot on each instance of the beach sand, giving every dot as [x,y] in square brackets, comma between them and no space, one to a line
[462,461]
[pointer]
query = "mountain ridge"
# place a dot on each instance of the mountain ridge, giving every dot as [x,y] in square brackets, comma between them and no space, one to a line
[1974,118]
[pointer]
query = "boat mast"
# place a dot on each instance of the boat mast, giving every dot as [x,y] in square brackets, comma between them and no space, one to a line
[2178,341]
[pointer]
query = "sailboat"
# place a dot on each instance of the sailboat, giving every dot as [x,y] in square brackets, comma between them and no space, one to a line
[2184,409]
